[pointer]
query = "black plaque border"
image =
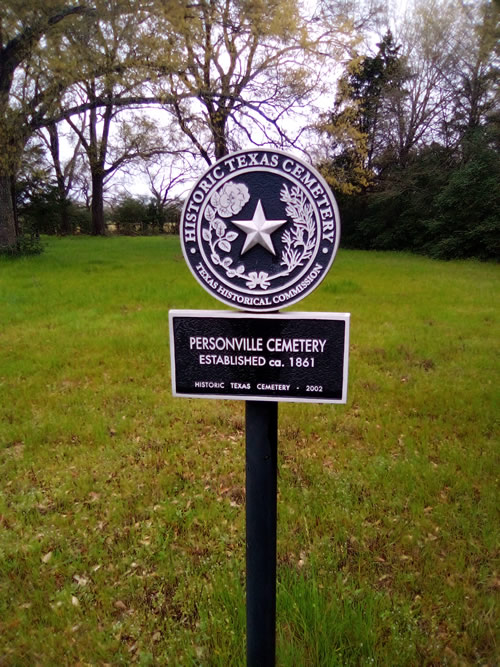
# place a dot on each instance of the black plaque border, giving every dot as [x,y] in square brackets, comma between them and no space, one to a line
[275,316]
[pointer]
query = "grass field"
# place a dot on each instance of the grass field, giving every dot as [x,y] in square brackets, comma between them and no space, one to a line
[122,509]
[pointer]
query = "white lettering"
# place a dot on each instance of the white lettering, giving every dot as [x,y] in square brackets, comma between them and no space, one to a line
[295,345]
[230,360]
[218,173]
[224,344]
[204,384]
[273,387]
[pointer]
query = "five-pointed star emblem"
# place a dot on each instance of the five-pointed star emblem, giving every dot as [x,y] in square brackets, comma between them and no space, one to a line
[258,230]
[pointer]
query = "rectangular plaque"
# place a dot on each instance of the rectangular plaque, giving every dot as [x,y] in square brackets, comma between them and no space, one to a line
[299,357]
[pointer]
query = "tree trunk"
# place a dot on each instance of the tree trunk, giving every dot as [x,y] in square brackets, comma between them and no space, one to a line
[64,211]
[64,228]
[14,205]
[219,134]
[97,150]
[97,206]
[8,236]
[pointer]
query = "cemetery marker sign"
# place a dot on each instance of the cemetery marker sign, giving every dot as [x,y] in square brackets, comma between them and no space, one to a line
[259,232]
[298,357]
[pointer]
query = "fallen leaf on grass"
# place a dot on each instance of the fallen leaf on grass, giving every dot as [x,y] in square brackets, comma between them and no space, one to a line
[120,605]
[47,557]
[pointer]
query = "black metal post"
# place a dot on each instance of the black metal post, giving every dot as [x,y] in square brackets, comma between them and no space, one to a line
[261,490]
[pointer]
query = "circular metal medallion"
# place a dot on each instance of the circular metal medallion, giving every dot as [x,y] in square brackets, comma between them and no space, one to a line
[260,229]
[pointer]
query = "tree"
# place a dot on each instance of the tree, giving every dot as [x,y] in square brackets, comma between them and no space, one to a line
[112,53]
[25,89]
[423,86]
[130,213]
[65,172]
[341,157]
[430,33]
[227,71]
[166,173]
[371,84]
[355,130]
[474,78]
[107,153]
[49,46]
[243,68]
[34,185]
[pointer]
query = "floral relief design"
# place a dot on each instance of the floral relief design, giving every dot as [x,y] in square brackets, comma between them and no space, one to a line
[258,280]
[230,199]
[298,242]
[224,203]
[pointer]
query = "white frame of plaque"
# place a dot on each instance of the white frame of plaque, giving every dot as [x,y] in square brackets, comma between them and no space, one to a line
[227,314]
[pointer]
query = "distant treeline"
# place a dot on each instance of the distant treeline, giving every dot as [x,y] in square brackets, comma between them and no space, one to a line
[131,216]
[444,203]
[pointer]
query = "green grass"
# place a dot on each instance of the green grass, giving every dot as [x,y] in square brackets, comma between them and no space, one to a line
[122,509]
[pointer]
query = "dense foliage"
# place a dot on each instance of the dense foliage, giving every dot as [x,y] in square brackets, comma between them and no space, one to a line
[442,203]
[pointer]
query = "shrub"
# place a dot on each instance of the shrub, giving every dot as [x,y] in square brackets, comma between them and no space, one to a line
[28,243]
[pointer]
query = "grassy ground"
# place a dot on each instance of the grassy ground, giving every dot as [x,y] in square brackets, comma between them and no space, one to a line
[122,509]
